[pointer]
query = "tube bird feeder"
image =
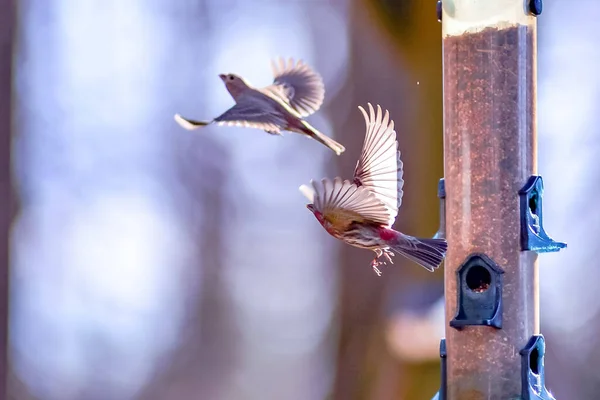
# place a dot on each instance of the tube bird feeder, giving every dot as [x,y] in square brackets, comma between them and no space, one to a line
[493,199]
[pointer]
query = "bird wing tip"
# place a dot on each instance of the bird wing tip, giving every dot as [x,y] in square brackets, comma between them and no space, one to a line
[180,120]
[187,124]
[308,192]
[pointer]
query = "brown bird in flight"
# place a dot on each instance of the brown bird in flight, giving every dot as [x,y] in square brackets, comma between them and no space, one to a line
[361,212]
[296,92]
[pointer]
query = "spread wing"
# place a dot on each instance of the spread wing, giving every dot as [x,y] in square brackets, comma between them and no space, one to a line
[298,85]
[343,202]
[252,114]
[379,169]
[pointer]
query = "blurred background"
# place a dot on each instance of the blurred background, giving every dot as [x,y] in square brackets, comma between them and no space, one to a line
[151,263]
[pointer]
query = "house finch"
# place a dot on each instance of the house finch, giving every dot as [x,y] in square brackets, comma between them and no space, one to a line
[361,212]
[296,92]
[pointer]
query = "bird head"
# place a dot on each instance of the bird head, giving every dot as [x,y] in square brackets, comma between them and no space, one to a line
[309,193]
[318,215]
[235,84]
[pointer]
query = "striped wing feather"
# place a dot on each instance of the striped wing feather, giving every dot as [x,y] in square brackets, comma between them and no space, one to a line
[247,113]
[342,201]
[379,168]
[298,85]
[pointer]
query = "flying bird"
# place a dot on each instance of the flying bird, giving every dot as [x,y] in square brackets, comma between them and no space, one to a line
[296,92]
[361,212]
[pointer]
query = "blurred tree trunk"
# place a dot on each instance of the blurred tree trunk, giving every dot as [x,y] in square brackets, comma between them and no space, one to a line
[8,206]
[410,35]
[201,363]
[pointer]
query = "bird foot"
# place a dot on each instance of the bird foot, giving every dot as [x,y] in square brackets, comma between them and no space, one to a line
[376,264]
[387,254]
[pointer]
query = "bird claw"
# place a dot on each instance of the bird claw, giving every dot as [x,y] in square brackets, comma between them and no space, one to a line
[375,264]
[387,254]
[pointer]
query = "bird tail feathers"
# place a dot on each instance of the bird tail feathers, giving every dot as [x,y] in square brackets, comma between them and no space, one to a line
[428,253]
[320,137]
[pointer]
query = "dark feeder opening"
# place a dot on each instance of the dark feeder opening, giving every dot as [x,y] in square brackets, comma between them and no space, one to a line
[479,293]
[533,210]
[534,358]
[478,278]
[533,381]
[533,203]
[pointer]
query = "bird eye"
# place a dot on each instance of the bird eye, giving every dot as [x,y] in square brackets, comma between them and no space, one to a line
[230,77]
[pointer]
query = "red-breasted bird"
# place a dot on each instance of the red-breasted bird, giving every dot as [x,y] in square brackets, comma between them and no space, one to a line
[361,212]
[296,92]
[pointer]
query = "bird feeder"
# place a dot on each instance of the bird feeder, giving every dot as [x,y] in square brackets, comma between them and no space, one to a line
[492,201]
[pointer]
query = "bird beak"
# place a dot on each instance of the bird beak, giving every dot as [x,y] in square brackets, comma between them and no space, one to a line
[222,76]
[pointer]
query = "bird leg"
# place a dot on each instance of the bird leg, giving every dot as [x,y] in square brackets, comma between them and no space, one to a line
[388,255]
[376,263]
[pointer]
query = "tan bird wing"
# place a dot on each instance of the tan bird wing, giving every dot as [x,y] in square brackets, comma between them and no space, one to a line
[379,168]
[250,113]
[298,85]
[341,201]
